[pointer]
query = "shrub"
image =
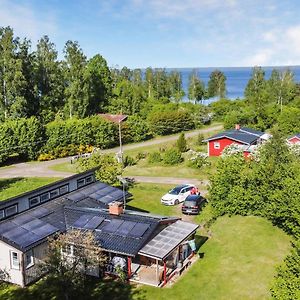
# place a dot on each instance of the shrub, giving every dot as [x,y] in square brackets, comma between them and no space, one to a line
[199,140]
[129,161]
[154,157]
[181,143]
[168,122]
[141,155]
[172,157]
[197,159]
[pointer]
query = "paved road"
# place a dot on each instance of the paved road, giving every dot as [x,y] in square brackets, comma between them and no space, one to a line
[41,169]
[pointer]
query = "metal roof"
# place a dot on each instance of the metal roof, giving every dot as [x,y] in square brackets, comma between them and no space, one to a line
[252,131]
[236,135]
[124,234]
[168,239]
[21,232]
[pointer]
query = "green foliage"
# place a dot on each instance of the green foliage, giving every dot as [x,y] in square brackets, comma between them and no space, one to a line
[198,160]
[129,161]
[289,120]
[181,143]
[217,84]
[23,137]
[154,157]
[172,156]
[268,186]
[89,131]
[287,281]
[135,129]
[108,168]
[199,139]
[168,122]
[196,88]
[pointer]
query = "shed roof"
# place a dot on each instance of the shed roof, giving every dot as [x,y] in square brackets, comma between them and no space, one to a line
[168,239]
[244,135]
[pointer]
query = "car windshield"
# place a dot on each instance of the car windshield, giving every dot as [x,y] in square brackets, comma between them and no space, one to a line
[175,191]
[190,203]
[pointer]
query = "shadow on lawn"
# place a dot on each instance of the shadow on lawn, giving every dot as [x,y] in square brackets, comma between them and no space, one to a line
[95,289]
[6,183]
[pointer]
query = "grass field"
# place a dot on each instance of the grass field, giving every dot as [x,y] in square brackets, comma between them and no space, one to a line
[64,167]
[16,186]
[239,263]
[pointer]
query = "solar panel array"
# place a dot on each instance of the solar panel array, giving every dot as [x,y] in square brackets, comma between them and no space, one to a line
[27,229]
[126,228]
[88,222]
[98,191]
[163,243]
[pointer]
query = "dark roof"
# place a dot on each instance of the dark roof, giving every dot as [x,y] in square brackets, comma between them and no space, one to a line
[124,234]
[33,226]
[243,135]
[252,131]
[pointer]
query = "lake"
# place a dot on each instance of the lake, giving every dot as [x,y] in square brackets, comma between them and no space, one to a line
[237,78]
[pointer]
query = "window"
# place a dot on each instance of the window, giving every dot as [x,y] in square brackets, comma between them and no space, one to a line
[9,211]
[89,179]
[80,183]
[29,261]
[14,260]
[54,194]
[45,197]
[64,189]
[2,214]
[34,201]
[216,145]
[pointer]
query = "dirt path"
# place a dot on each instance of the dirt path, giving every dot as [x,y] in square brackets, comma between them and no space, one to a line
[41,169]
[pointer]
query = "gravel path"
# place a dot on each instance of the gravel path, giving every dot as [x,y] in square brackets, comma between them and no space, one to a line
[41,169]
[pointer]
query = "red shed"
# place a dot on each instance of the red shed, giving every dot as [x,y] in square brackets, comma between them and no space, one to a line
[295,139]
[240,136]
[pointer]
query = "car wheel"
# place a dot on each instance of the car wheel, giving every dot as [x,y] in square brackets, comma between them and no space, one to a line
[176,202]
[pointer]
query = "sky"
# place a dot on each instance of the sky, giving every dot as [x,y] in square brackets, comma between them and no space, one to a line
[165,33]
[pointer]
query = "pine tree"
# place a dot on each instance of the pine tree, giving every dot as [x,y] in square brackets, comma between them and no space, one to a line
[181,143]
[217,84]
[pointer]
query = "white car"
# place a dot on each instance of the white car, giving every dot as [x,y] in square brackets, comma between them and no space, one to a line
[177,194]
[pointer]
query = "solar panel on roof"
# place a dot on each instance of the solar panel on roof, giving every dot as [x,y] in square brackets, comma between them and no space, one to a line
[27,239]
[94,222]
[39,212]
[76,196]
[82,221]
[7,226]
[138,230]
[14,233]
[112,226]
[45,230]
[125,228]
[33,224]
[22,219]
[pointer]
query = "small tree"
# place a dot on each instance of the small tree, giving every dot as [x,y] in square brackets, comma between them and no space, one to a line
[108,171]
[68,259]
[172,157]
[181,143]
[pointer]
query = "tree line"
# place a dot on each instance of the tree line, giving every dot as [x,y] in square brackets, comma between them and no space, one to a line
[37,83]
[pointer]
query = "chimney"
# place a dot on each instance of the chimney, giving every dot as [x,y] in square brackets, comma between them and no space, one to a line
[237,126]
[115,208]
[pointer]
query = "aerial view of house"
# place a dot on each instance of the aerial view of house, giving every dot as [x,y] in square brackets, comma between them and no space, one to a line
[147,247]
[246,138]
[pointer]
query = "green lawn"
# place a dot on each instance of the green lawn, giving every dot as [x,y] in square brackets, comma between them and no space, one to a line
[16,186]
[146,197]
[64,167]
[239,263]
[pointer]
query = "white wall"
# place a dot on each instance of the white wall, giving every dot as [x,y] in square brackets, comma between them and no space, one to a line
[15,276]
